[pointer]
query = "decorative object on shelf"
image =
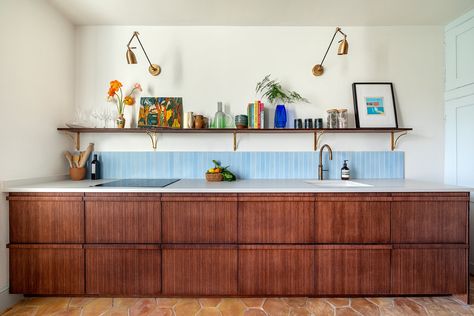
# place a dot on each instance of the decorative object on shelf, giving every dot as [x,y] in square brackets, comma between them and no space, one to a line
[241,121]
[298,123]
[199,121]
[256,115]
[276,94]
[154,69]
[160,112]
[188,120]
[374,105]
[343,49]
[342,118]
[219,173]
[332,120]
[219,117]
[116,95]
[308,123]
[318,123]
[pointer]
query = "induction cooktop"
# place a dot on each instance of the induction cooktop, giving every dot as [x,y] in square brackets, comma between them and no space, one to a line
[138,183]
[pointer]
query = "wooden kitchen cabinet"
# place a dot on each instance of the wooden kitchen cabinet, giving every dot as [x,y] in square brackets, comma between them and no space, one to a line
[276,270]
[198,218]
[123,269]
[430,269]
[352,269]
[430,218]
[200,270]
[352,218]
[46,218]
[123,218]
[47,269]
[276,218]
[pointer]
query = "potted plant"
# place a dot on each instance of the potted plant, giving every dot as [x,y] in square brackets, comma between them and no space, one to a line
[273,91]
[115,94]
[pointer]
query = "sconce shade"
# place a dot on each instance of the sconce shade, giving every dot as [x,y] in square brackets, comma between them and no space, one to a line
[343,47]
[131,58]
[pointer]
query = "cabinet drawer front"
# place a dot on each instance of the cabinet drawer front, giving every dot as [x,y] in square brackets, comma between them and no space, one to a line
[200,271]
[429,222]
[429,271]
[352,222]
[276,222]
[123,221]
[276,271]
[352,271]
[123,270]
[46,220]
[46,271]
[199,222]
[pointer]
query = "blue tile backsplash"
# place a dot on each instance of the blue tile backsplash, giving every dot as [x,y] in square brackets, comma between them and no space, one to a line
[251,165]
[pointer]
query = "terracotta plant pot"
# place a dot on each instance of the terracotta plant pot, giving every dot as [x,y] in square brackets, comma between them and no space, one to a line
[77,174]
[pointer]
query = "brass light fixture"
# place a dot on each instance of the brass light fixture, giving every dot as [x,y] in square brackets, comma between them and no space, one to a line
[154,69]
[343,49]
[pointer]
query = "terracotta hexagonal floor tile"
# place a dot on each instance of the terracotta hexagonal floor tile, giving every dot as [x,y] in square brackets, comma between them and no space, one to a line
[295,301]
[276,307]
[124,302]
[143,306]
[74,311]
[161,311]
[186,307]
[319,306]
[21,311]
[253,302]
[382,301]
[166,302]
[339,302]
[299,311]
[254,312]
[209,311]
[80,301]
[209,302]
[117,311]
[365,307]
[231,307]
[347,311]
[97,306]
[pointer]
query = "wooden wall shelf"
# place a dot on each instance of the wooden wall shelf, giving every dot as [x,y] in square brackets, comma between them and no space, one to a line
[395,133]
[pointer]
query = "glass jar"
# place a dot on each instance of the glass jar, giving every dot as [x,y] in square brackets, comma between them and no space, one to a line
[342,118]
[332,118]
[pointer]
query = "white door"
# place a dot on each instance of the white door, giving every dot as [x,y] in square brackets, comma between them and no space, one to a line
[459,108]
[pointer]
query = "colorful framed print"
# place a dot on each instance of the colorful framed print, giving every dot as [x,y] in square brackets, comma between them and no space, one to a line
[374,105]
[161,112]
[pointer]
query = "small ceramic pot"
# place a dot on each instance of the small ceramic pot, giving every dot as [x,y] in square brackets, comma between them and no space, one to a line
[77,174]
[120,121]
[198,121]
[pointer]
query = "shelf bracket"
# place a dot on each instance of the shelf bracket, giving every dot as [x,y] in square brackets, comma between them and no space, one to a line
[76,139]
[154,139]
[317,138]
[394,139]
[235,141]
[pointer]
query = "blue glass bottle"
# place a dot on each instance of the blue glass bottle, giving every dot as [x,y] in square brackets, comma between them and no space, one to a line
[280,116]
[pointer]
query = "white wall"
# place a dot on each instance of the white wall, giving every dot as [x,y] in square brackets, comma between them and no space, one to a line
[208,64]
[37,88]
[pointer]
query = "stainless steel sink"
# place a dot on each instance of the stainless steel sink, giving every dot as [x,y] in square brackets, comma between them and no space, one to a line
[337,184]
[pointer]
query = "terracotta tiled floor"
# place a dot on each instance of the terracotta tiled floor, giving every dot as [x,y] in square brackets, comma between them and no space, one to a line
[61,306]
[245,307]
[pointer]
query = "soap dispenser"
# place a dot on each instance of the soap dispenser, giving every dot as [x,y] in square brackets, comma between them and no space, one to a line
[345,171]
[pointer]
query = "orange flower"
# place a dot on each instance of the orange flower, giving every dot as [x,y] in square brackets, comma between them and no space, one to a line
[115,85]
[129,100]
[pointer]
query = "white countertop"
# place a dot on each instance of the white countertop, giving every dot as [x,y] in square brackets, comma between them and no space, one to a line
[239,186]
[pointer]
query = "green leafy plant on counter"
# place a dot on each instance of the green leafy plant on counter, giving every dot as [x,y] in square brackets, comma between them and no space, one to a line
[226,174]
[274,92]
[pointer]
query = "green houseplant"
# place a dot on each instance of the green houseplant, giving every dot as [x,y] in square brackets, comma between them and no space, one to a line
[273,91]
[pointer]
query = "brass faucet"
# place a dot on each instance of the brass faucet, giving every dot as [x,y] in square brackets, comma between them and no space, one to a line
[320,166]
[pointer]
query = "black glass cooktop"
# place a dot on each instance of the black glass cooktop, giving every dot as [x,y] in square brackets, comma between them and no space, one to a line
[138,183]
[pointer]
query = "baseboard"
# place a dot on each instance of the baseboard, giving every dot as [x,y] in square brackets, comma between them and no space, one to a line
[7,300]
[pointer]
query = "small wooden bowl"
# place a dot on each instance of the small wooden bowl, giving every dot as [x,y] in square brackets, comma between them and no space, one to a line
[214,177]
[77,174]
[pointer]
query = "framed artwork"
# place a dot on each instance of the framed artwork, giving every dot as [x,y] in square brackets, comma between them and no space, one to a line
[374,105]
[161,112]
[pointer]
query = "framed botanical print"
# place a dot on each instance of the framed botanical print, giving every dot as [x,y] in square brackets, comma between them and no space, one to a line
[374,105]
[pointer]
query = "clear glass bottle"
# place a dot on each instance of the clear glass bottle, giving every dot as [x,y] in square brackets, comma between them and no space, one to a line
[219,117]
[342,118]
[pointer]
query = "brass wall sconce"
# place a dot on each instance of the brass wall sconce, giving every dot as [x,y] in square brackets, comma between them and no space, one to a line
[343,49]
[154,69]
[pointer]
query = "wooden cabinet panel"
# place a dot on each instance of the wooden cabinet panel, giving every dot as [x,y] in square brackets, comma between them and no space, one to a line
[123,269]
[46,218]
[199,270]
[122,218]
[430,270]
[352,270]
[273,218]
[352,219]
[200,219]
[430,219]
[46,269]
[276,270]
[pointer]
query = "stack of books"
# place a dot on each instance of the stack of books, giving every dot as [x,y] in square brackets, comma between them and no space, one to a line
[256,115]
